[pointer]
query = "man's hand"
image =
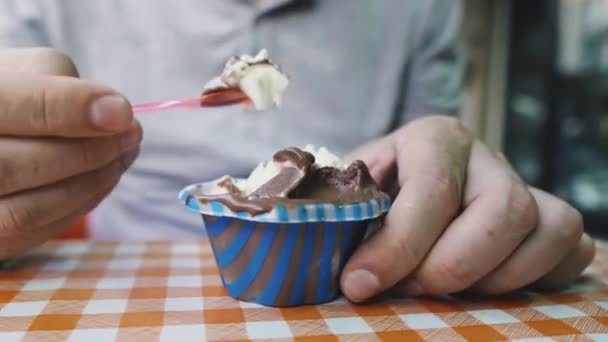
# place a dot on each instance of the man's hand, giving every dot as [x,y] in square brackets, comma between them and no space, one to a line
[64,144]
[462,220]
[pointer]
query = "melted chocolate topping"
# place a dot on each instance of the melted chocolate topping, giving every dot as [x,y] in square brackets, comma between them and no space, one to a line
[294,157]
[300,181]
[280,185]
[294,165]
[218,83]
[229,185]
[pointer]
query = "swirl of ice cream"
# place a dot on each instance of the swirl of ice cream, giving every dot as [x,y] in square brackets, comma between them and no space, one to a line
[256,76]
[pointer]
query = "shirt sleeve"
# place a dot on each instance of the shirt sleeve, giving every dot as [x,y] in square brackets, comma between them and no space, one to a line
[22,24]
[434,76]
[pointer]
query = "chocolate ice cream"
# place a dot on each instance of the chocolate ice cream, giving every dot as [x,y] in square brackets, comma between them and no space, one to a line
[299,180]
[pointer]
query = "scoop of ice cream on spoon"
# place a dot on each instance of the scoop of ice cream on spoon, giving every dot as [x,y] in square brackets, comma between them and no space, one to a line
[257,77]
[249,80]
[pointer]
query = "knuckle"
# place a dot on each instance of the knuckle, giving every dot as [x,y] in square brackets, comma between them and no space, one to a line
[569,224]
[447,189]
[50,107]
[520,206]
[453,277]
[53,61]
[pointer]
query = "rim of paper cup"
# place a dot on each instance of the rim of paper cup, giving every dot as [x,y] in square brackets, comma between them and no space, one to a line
[301,213]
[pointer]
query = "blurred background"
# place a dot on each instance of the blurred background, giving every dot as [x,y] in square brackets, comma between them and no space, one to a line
[542,97]
[537,89]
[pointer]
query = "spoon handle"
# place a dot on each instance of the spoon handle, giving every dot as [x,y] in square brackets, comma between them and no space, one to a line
[213,99]
[158,106]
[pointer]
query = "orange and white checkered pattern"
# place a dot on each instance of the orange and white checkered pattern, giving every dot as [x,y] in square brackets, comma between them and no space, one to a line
[171,291]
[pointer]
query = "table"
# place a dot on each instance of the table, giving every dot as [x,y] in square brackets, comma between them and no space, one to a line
[100,291]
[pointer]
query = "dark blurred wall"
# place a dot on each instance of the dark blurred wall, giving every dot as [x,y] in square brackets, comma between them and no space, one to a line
[556,129]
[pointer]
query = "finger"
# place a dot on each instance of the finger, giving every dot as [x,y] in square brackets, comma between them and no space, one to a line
[559,230]
[37,60]
[27,163]
[25,212]
[42,105]
[432,161]
[499,213]
[570,267]
[26,240]
[20,244]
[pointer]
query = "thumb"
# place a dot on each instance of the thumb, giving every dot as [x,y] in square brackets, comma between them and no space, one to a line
[44,105]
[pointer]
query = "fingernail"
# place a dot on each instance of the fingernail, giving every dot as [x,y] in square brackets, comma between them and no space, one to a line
[412,288]
[133,137]
[111,113]
[360,285]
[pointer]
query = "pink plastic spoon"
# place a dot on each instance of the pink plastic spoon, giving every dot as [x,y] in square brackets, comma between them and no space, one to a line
[217,98]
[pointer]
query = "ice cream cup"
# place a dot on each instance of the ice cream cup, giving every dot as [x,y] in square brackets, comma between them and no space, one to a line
[292,255]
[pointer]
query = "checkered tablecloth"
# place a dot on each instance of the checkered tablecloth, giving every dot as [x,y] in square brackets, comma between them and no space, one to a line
[171,291]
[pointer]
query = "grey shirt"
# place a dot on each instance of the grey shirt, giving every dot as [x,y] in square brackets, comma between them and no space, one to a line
[358,69]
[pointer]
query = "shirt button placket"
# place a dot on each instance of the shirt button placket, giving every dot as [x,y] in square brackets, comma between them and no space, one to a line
[262,30]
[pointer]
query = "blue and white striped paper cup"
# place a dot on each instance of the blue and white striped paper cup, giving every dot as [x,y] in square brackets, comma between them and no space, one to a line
[289,256]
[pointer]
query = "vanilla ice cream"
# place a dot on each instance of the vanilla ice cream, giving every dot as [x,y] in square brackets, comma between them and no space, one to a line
[256,76]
